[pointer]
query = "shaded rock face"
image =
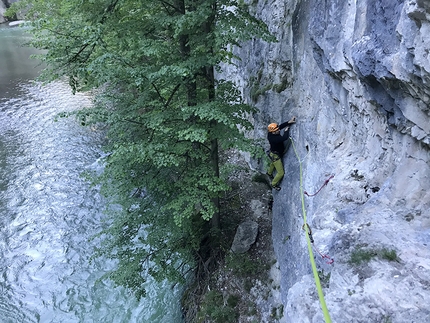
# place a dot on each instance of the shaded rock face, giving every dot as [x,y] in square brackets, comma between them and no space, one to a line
[356,75]
[4,4]
[2,11]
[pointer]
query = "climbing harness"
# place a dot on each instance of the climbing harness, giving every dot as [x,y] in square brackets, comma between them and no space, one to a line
[309,240]
[325,183]
[273,155]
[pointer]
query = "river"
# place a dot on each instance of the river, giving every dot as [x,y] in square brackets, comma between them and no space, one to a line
[49,213]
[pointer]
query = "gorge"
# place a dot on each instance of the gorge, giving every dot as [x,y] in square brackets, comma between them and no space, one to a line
[356,75]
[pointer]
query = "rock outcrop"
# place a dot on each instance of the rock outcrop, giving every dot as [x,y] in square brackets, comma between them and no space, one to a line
[356,73]
[4,4]
[245,236]
[2,11]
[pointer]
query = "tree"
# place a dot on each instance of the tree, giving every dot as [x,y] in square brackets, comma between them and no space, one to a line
[153,66]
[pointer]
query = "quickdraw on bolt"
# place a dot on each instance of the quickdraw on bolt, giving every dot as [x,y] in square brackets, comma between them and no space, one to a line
[325,183]
[307,228]
[309,231]
[323,304]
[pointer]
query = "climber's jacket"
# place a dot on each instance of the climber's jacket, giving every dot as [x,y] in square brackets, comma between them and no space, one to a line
[276,141]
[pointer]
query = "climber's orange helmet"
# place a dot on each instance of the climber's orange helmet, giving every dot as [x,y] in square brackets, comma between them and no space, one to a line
[273,127]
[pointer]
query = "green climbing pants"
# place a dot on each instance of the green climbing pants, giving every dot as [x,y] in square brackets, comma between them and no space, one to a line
[276,163]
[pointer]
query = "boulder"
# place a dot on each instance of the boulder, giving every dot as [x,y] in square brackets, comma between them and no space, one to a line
[245,237]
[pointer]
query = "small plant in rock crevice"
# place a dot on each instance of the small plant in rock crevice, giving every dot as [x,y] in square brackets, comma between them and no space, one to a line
[361,255]
[324,278]
[277,312]
[243,265]
[390,255]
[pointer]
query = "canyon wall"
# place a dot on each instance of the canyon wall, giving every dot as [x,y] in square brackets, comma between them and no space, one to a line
[356,75]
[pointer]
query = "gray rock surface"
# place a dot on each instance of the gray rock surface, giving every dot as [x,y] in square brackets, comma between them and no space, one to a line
[356,74]
[246,234]
[2,11]
[4,4]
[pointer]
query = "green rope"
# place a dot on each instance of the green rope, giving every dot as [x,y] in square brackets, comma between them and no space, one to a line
[311,254]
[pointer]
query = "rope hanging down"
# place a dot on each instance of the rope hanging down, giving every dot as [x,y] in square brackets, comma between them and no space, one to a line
[308,239]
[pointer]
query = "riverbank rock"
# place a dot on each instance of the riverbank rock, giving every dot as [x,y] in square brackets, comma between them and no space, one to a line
[2,11]
[245,236]
[4,4]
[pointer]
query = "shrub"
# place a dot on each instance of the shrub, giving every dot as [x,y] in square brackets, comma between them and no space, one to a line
[361,255]
[390,255]
[214,309]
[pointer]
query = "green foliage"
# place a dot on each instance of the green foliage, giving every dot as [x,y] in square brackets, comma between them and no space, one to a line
[151,65]
[361,255]
[390,255]
[232,300]
[257,91]
[324,278]
[277,312]
[247,285]
[280,87]
[243,266]
[260,178]
[386,319]
[214,309]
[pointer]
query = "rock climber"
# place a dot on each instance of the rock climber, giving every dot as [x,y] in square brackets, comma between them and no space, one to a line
[277,150]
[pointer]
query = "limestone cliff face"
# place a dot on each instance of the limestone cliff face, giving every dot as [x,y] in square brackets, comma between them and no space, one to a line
[356,73]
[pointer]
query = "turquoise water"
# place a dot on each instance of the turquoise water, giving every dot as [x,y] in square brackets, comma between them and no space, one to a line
[48,213]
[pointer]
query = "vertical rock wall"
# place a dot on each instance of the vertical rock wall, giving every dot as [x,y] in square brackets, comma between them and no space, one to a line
[356,74]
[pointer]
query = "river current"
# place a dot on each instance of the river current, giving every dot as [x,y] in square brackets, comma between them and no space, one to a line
[49,213]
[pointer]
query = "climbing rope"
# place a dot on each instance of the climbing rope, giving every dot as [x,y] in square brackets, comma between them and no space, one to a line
[329,260]
[308,239]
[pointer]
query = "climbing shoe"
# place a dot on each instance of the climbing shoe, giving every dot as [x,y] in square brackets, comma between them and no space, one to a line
[270,175]
[276,187]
